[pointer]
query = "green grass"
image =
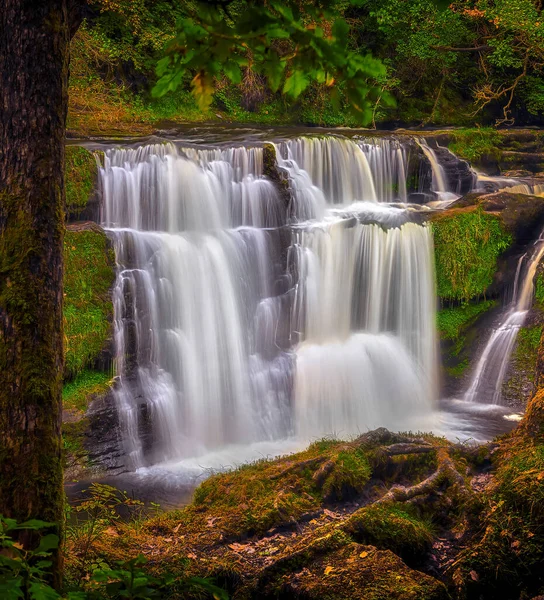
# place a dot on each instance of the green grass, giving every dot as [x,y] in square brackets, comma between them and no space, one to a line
[80,173]
[76,393]
[475,144]
[88,276]
[467,246]
[453,320]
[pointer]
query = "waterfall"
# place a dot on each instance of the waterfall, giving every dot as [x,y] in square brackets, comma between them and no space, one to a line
[332,171]
[488,378]
[239,319]
[367,334]
[439,175]
[196,303]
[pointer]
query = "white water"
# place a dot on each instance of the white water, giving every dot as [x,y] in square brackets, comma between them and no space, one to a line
[328,171]
[232,329]
[488,378]
[440,184]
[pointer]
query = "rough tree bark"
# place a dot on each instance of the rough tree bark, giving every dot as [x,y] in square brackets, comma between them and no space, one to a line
[34,55]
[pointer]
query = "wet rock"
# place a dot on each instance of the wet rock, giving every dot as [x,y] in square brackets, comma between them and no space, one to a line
[103,441]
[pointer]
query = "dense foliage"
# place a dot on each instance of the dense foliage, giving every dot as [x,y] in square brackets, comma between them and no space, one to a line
[474,61]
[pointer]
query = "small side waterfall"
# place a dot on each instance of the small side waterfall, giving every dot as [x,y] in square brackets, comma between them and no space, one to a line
[439,175]
[239,319]
[488,378]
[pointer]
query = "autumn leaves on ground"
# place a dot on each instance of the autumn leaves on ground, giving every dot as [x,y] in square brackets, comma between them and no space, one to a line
[407,516]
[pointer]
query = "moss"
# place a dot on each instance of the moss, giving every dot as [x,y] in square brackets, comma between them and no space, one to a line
[80,172]
[506,558]
[89,275]
[475,144]
[76,394]
[73,435]
[539,290]
[527,345]
[355,572]
[459,369]
[453,320]
[392,527]
[467,246]
[256,497]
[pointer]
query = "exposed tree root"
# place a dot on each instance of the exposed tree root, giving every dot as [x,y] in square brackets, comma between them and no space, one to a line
[445,473]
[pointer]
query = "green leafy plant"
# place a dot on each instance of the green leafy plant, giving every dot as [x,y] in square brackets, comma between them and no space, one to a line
[288,47]
[129,579]
[26,572]
[88,519]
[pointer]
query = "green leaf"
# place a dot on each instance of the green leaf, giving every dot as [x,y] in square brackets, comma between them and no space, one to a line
[206,584]
[295,84]
[41,591]
[274,68]
[10,588]
[340,31]
[232,71]
[47,543]
[34,524]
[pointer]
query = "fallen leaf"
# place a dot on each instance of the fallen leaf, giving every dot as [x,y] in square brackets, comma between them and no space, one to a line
[329,570]
[191,555]
[111,531]
[474,576]
[176,528]
[237,547]
[363,554]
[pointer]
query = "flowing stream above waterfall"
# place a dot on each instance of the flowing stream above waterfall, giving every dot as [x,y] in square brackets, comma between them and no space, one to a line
[248,312]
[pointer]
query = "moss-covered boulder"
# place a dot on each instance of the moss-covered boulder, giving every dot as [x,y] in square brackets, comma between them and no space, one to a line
[468,242]
[80,180]
[394,527]
[350,572]
[266,494]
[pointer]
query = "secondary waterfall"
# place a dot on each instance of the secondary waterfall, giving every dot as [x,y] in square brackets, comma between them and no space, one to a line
[241,317]
[488,378]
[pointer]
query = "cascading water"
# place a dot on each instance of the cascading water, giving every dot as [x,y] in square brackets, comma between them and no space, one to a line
[335,171]
[196,299]
[488,378]
[439,176]
[367,351]
[239,319]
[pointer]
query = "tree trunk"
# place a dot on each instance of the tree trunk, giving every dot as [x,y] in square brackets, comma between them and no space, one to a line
[34,55]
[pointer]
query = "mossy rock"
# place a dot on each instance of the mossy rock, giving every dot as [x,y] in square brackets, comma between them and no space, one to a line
[353,572]
[89,274]
[506,555]
[468,242]
[256,497]
[520,215]
[392,527]
[80,176]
